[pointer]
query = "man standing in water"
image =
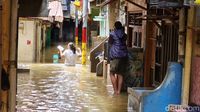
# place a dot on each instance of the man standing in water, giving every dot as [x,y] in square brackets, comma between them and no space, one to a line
[118,56]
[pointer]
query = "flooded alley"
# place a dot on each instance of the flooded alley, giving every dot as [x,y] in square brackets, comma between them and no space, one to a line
[59,88]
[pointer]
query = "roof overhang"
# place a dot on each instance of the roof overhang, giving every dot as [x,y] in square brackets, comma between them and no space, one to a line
[105,3]
[33,8]
[140,6]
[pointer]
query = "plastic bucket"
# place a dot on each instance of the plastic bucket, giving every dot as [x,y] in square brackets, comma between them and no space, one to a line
[55,58]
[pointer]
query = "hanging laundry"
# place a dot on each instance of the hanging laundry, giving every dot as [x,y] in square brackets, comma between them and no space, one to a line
[55,11]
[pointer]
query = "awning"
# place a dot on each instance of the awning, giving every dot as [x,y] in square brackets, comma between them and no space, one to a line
[140,6]
[109,1]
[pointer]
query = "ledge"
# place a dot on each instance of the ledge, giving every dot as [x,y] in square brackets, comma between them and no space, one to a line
[104,3]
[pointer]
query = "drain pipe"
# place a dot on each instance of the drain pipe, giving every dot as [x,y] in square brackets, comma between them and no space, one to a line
[13,56]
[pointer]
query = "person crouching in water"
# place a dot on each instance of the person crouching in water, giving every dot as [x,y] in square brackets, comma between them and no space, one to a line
[70,54]
[118,56]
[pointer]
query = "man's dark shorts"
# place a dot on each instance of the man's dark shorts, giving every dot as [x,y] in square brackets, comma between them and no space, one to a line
[118,66]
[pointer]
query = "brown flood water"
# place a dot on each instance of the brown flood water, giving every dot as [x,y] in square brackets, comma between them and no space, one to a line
[60,88]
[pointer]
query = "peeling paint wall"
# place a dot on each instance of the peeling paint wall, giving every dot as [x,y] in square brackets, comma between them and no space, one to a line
[195,72]
[26,35]
[195,79]
[29,40]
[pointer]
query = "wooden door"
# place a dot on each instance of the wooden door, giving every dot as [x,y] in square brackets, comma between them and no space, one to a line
[166,50]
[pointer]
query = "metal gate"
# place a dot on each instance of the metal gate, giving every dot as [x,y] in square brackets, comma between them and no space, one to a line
[166,50]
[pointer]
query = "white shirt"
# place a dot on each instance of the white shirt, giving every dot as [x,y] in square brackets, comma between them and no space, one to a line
[70,57]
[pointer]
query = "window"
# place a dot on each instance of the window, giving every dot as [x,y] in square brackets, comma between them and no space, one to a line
[137,39]
[134,19]
[135,29]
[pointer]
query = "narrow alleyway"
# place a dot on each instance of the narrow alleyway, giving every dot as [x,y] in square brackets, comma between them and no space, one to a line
[57,88]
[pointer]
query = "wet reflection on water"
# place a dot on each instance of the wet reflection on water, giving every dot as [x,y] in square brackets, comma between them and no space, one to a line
[57,88]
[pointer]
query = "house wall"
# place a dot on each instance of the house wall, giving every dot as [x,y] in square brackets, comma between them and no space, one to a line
[45,27]
[29,40]
[39,40]
[122,13]
[195,72]
[146,45]
[195,78]
[26,35]
[113,13]
[116,13]
[134,9]
[196,41]
[104,25]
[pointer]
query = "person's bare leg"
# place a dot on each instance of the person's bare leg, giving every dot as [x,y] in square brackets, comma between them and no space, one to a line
[114,82]
[119,83]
